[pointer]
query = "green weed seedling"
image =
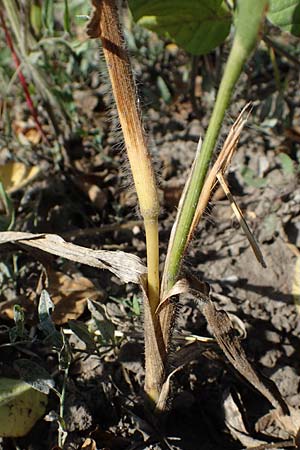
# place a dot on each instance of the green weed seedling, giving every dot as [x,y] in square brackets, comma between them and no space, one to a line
[132,305]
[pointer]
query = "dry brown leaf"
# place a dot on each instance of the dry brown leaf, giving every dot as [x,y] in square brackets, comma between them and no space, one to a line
[235,423]
[15,175]
[70,294]
[7,307]
[161,404]
[239,215]
[128,268]
[33,135]
[93,29]
[89,444]
[224,331]
[289,422]
[226,336]
[26,132]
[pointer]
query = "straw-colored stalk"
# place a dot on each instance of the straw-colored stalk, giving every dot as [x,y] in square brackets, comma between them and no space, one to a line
[124,92]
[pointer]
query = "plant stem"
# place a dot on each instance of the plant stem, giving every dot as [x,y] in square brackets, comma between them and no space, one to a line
[12,12]
[124,91]
[250,13]
[22,78]
[282,50]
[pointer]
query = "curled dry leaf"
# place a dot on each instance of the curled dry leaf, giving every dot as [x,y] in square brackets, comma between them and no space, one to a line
[235,423]
[289,422]
[161,404]
[228,339]
[27,133]
[89,444]
[226,336]
[128,268]
[15,175]
[69,295]
[7,307]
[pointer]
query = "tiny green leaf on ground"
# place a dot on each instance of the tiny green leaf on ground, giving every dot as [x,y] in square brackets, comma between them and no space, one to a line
[287,164]
[196,25]
[286,15]
[252,179]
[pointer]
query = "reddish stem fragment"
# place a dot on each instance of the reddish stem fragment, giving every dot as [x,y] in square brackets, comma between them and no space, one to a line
[22,78]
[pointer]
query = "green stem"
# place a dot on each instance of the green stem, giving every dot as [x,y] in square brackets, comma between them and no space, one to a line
[232,72]
[249,17]
[13,15]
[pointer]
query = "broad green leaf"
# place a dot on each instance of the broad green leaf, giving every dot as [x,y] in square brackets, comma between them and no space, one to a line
[286,15]
[82,332]
[196,25]
[21,407]
[164,90]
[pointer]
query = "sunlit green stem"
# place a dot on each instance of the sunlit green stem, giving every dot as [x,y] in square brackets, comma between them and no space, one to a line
[249,17]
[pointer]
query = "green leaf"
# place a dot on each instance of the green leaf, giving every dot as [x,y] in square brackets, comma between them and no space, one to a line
[287,164]
[196,25]
[20,407]
[136,306]
[67,23]
[36,18]
[45,308]
[103,324]
[252,179]
[7,220]
[34,375]
[18,331]
[164,90]
[48,15]
[286,15]
[82,332]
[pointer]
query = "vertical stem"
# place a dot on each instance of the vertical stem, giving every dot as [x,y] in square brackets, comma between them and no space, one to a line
[249,17]
[12,12]
[124,91]
[21,77]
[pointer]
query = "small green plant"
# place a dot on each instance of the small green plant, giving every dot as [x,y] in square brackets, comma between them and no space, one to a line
[132,304]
